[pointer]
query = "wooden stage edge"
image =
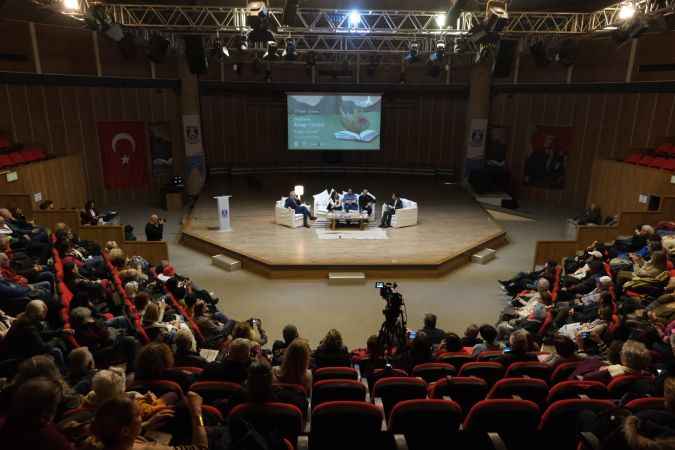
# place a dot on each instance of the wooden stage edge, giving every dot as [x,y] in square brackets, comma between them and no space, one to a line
[202,245]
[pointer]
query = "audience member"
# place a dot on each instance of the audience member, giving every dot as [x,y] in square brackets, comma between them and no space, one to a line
[29,422]
[295,366]
[289,334]
[233,367]
[436,335]
[331,352]
[471,338]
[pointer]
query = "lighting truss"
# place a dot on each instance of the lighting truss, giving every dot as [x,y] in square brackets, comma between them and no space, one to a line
[205,19]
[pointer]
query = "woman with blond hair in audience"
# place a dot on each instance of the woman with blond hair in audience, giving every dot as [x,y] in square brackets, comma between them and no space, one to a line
[331,352]
[295,366]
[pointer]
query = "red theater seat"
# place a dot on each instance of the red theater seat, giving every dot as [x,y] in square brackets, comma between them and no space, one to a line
[423,422]
[282,418]
[334,373]
[623,384]
[633,158]
[215,391]
[529,369]
[525,388]
[488,371]
[466,391]
[514,420]
[643,404]
[337,390]
[558,426]
[16,158]
[563,372]
[574,389]
[343,425]
[455,359]
[431,372]
[396,389]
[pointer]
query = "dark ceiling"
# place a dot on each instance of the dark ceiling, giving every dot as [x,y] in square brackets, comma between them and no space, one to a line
[24,10]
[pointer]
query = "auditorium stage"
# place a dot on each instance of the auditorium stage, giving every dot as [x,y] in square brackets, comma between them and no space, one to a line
[452,226]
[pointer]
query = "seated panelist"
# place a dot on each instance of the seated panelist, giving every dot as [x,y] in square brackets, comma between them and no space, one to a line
[390,209]
[293,203]
[367,202]
[334,203]
[350,201]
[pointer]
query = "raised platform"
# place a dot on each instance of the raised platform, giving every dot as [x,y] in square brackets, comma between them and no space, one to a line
[452,227]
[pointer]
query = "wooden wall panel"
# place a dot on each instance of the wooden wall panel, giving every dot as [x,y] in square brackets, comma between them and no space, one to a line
[15,40]
[113,63]
[417,129]
[57,179]
[600,60]
[654,48]
[66,50]
[614,195]
[608,125]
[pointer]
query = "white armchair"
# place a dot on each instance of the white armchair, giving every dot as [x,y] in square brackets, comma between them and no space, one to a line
[321,203]
[286,216]
[406,216]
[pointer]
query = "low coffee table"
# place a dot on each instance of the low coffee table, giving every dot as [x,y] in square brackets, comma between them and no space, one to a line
[352,217]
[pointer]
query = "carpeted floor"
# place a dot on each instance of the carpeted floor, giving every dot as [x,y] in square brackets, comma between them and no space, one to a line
[467,295]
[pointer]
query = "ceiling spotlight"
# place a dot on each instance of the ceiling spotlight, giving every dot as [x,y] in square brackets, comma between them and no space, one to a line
[627,11]
[71,5]
[437,55]
[271,52]
[354,19]
[441,20]
[243,42]
[413,53]
[289,52]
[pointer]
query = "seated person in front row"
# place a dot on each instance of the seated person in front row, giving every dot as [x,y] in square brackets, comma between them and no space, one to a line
[366,202]
[350,201]
[294,203]
[334,203]
[390,209]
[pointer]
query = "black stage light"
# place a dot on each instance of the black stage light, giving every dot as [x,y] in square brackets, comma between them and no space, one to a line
[413,53]
[157,48]
[289,53]
[272,52]
[290,16]
[439,54]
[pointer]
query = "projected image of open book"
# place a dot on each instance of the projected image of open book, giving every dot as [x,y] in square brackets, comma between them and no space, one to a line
[364,136]
[356,127]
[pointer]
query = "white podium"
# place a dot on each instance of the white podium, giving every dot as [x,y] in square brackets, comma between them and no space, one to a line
[223,212]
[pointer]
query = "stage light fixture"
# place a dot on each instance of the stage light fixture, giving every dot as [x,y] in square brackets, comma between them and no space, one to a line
[439,54]
[257,18]
[441,20]
[242,43]
[354,19]
[289,53]
[496,18]
[272,50]
[71,5]
[413,53]
[626,11]
[157,48]
[225,51]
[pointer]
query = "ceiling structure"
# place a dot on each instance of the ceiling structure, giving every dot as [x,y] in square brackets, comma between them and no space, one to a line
[331,26]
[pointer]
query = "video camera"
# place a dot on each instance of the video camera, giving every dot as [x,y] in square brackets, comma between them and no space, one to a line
[394,300]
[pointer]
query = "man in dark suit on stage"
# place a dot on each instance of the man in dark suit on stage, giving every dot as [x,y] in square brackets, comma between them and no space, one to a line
[390,209]
[294,203]
[366,202]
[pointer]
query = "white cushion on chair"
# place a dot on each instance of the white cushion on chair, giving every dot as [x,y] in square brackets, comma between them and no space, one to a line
[321,202]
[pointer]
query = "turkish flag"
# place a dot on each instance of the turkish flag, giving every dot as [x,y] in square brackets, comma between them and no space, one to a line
[124,154]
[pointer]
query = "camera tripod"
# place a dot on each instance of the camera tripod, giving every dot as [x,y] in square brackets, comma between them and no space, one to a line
[392,333]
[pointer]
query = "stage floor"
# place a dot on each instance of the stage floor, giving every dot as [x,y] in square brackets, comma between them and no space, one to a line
[451,227]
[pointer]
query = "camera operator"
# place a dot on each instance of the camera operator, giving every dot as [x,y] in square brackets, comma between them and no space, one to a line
[154,229]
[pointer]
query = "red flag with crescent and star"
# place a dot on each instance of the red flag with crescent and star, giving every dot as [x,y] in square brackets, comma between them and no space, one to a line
[124,154]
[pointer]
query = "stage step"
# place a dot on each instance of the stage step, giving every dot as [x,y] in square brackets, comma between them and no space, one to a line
[225,262]
[346,277]
[483,256]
